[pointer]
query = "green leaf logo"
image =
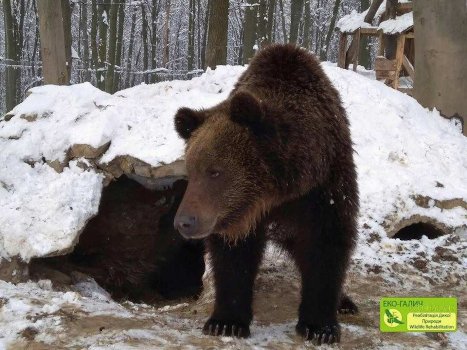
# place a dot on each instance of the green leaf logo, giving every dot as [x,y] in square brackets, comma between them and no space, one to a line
[392,318]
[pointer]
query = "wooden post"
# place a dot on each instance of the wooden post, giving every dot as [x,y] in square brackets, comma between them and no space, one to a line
[342,50]
[440,52]
[53,48]
[399,59]
[381,44]
[357,44]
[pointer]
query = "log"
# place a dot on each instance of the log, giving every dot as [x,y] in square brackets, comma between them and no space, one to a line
[399,59]
[408,67]
[357,44]
[342,50]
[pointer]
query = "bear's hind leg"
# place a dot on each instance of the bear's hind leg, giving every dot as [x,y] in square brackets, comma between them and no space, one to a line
[235,266]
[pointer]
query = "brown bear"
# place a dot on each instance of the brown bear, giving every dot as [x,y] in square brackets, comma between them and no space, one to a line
[274,161]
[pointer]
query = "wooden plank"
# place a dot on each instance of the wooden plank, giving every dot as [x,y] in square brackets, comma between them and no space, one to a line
[408,67]
[342,50]
[385,74]
[369,31]
[410,35]
[382,63]
[357,44]
[381,44]
[399,59]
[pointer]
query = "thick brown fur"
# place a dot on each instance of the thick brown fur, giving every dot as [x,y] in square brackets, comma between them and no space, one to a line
[273,162]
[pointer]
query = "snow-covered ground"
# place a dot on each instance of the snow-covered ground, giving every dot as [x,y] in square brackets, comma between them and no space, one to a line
[403,152]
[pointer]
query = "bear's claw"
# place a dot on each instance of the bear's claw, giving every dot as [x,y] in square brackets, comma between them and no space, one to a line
[318,335]
[226,328]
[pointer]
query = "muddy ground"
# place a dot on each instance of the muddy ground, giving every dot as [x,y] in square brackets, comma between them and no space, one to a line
[90,323]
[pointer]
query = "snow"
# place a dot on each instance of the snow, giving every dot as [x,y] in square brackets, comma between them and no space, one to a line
[43,211]
[74,54]
[397,25]
[396,140]
[353,21]
[402,150]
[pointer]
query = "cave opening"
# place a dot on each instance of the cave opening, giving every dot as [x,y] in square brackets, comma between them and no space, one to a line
[418,230]
[130,247]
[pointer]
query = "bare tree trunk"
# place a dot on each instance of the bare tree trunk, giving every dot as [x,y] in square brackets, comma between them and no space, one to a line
[144,36]
[20,44]
[191,35]
[324,50]
[154,14]
[52,35]
[111,52]
[36,38]
[307,26]
[165,59]
[249,30]
[118,58]
[284,30]
[94,49]
[270,26]
[440,52]
[199,33]
[66,13]
[261,32]
[84,31]
[216,51]
[205,35]
[103,14]
[130,47]
[364,51]
[12,55]
[296,10]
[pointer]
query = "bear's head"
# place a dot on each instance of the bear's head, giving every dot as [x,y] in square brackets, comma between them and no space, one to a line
[228,187]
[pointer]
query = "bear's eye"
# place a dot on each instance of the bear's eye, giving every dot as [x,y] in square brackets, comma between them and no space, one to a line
[213,173]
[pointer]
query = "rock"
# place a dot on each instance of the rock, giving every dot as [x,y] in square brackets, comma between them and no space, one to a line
[444,254]
[420,264]
[86,151]
[14,270]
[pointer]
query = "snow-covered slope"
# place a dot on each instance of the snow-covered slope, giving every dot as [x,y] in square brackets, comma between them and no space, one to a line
[42,210]
[402,151]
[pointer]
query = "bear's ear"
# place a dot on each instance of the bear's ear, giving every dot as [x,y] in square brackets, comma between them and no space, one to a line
[187,120]
[245,109]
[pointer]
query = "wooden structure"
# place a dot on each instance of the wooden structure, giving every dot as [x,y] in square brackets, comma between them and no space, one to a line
[389,70]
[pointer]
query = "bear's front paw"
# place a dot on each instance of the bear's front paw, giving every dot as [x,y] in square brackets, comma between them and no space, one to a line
[226,328]
[318,335]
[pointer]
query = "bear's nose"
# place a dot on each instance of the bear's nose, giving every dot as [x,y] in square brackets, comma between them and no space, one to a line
[186,225]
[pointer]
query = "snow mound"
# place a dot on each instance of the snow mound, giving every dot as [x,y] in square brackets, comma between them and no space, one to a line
[43,211]
[50,185]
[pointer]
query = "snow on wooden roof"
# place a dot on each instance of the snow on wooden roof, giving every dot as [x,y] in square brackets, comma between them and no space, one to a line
[353,21]
[398,25]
